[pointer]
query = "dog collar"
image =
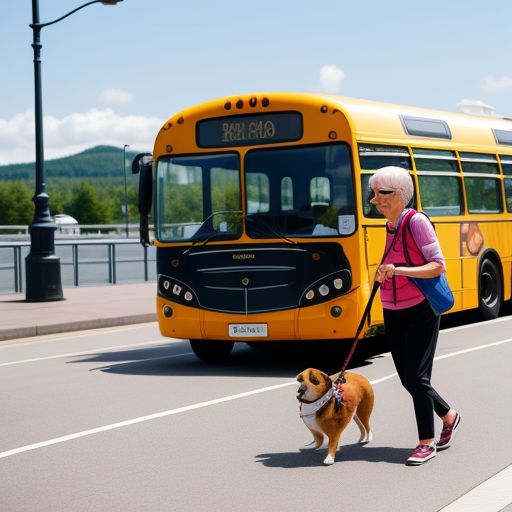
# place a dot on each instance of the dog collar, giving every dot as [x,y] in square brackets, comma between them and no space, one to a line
[311,408]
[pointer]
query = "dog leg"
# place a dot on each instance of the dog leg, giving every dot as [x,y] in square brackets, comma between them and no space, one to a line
[366,435]
[333,446]
[318,439]
[363,413]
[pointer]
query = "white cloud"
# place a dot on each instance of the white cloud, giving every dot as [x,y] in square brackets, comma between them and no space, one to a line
[74,133]
[331,78]
[115,97]
[491,83]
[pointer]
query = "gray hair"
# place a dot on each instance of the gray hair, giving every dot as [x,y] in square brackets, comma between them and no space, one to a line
[395,178]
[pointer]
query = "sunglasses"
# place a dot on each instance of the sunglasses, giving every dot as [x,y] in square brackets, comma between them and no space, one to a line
[372,193]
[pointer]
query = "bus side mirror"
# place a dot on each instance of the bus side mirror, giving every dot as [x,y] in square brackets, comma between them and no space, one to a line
[143,166]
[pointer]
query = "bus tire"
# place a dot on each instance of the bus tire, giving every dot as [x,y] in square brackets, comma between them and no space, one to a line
[490,290]
[211,351]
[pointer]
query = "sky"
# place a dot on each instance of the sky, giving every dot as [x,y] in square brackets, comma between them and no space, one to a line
[113,74]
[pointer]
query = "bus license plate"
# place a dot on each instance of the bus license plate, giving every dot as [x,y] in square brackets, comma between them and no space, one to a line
[248,330]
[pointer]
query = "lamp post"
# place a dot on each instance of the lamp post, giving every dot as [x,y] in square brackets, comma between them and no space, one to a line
[125,189]
[42,265]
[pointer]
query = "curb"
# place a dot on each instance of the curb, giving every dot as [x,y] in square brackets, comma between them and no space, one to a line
[77,325]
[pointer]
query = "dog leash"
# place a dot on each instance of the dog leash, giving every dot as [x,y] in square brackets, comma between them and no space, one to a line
[341,378]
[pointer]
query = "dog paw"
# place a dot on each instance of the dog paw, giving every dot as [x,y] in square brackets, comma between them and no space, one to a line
[366,438]
[329,460]
[310,446]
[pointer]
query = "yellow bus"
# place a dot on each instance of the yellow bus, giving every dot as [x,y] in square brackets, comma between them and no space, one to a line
[263,227]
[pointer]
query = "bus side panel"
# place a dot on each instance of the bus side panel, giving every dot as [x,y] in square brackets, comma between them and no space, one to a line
[498,236]
[449,238]
[375,237]
[469,283]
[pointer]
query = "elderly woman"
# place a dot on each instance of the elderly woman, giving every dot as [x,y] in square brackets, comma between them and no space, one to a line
[412,327]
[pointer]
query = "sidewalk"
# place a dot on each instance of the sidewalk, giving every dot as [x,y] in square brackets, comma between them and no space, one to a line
[84,307]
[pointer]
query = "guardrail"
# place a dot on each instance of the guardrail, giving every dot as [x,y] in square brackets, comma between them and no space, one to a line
[83,229]
[78,257]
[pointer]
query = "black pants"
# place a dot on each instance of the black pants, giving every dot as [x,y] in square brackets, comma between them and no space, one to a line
[412,336]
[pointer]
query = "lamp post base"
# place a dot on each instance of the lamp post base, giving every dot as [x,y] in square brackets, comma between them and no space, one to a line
[42,266]
[43,278]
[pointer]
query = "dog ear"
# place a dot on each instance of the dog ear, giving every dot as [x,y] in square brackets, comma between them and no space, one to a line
[313,379]
[299,378]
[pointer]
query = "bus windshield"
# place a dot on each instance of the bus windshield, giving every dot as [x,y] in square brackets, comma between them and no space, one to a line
[300,191]
[198,197]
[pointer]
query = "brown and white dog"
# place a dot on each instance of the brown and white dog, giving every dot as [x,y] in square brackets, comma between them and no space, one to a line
[327,409]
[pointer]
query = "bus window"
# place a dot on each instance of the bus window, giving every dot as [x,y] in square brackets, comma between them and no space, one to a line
[225,194]
[286,194]
[316,190]
[440,195]
[506,165]
[320,191]
[484,195]
[432,160]
[479,163]
[258,188]
[508,193]
[196,195]
[373,157]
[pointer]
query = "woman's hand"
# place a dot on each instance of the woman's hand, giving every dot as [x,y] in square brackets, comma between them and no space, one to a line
[385,272]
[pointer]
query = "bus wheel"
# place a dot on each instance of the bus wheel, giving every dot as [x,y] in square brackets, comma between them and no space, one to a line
[211,351]
[490,290]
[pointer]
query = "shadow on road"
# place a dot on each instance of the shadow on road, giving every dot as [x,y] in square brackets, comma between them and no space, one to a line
[277,359]
[285,359]
[351,452]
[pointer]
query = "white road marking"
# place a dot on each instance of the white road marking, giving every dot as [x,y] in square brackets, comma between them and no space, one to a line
[483,324]
[490,496]
[156,343]
[467,350]
[44,338]
[192,407]
[141,419]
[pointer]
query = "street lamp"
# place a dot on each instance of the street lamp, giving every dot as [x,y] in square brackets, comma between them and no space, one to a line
[42,265]
[125,189]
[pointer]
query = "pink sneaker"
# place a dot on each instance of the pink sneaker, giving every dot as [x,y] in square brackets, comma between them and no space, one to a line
[447,434]
[421,454]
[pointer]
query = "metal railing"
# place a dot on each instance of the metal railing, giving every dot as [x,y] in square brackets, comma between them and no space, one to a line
[89,261]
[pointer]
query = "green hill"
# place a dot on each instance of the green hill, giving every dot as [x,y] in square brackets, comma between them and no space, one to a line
[96,162]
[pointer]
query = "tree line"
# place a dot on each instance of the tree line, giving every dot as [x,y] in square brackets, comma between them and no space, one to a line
[89,186]
[89,202]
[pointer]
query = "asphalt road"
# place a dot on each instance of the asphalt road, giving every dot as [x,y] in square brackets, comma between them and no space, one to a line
[124,420]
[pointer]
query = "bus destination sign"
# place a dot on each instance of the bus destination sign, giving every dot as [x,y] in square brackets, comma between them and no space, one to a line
[248,130]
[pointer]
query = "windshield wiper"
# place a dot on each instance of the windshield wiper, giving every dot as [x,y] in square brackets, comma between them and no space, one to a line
[208,236]
[272,230]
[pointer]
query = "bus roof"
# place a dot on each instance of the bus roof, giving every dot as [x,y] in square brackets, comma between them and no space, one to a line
[373,121]
[390,123]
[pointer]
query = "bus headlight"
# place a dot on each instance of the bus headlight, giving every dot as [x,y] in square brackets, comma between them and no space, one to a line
[323,290]
[176,291]
[327,288]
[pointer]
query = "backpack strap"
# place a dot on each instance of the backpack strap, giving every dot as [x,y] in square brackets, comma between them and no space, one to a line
[407,229]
